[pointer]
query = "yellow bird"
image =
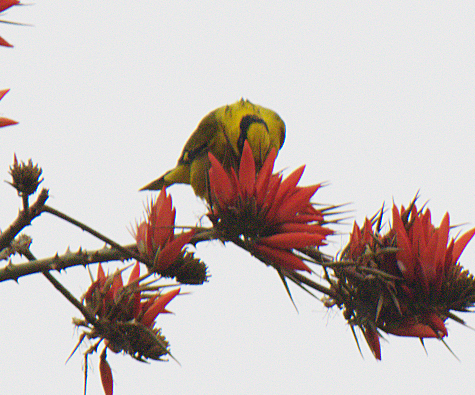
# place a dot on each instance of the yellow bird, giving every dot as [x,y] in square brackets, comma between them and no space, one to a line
[223,132]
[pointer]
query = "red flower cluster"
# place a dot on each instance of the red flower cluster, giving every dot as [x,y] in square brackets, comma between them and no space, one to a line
[4,5]
[419,280]
[126,318]
[156,235]
[5,121]
[109,298]
[263,213]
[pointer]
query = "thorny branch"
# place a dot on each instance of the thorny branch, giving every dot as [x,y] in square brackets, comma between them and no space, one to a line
[24,219]
[69,259]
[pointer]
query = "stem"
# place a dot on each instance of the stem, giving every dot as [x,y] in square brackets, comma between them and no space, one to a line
[68,295]
[58,262]
[100,236]
[24,219]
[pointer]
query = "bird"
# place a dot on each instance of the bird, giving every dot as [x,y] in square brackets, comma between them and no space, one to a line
[223,132]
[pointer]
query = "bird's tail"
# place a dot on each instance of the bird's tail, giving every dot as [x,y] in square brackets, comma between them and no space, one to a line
[178,175]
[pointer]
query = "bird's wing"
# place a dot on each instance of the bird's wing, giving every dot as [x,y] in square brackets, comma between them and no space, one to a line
[200,140]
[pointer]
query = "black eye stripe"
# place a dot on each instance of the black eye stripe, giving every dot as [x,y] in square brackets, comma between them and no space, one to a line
[246,122]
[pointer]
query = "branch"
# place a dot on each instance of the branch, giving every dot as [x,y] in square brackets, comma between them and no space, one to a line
[24,219]
[83,309]
[69,259]
[105,239]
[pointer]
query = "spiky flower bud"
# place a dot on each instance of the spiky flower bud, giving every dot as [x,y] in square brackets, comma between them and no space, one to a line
[187,270]
[25,177]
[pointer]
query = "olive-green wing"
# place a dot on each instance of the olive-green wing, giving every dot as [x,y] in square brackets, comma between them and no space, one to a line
[200,140]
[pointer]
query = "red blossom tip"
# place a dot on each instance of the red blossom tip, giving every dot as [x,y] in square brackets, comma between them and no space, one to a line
[167,256]
[3,92]
[282,258]
[158,307]
[5,43]
[460,244]
[7,122]
[135,274]
[5,4]
[247,171]
[372,338]
[287,241]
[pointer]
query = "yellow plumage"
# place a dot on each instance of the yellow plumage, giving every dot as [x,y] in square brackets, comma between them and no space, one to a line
[223,132]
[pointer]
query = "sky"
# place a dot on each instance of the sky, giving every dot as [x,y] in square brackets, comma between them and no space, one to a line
[378,100]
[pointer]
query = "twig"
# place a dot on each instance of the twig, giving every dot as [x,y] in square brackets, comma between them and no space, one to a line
[24,219]
[100,236]
[68,295]
[58,262]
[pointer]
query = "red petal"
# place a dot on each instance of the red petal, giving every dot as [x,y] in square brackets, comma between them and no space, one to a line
[286,187]
[162,220]
[4,4]
[90,291]
[7,122]
[367,231]
[443,232]
[304,227]
[437,324]
[167,256]
[282,258]
[269,195]
[372,338]
[264,176]
[460,245]
[404,253]
[413,330]
[247,171]
[427,260]
[4,43]
[356,248]
[116,285]
[135,274]
[3,92]
[292,180]
[295,203]
[219,181]
[100,273]
[287,241]
[448,257]
[141,238]
[106,375]
[158,307]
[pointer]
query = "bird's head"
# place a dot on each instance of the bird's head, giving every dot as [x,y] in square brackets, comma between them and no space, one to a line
[255,130]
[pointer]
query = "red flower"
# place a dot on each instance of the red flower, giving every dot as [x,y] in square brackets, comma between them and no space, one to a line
[125,318]
[406,282]
[3,92]
[155,237]
[261,212]
[423,256]
[113,300]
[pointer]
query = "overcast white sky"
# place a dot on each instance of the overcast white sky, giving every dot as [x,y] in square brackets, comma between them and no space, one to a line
[378,98]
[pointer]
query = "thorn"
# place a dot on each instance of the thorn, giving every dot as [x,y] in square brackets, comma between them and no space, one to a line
[81,338]
[423,345]
[448,348]
[356,340]
[284,281]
